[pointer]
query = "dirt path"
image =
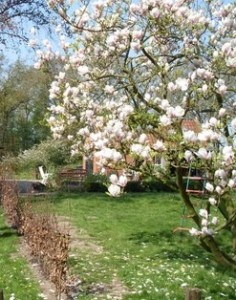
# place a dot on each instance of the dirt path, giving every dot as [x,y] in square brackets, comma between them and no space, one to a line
[79,240]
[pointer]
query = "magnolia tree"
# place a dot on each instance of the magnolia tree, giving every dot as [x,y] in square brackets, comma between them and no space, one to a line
[131,73]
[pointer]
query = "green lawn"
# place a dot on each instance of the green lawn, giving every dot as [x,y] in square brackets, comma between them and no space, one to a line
[139,247]
[130,239]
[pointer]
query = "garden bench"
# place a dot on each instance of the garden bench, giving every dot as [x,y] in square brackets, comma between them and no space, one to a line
[72,177]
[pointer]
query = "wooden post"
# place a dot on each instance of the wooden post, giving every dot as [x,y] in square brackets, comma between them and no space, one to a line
[1,295]
[193,294]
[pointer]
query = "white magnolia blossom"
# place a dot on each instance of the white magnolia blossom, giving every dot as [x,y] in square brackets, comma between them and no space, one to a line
[203,213]
[113,179]
[188,155]
[164,120]
[219,190]
[220,173]
[212,201]
[194,232]
[214,220]
[202,153]
[190,136]
[159,146]
[209,187]
[122,181]
[182,84]
[114,190]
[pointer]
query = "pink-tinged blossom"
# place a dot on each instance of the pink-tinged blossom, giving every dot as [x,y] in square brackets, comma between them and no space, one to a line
[228,155]
[110,154]
[109,89]
[82,70]
[226,49]
[190,136]
[171,86]
[194,232]
[136,149]
[182,84]
[113,179]
[208,135]
[202,153]
[164,104]
[209,187]
[203,213]
[178,112]
[219,190]
[220,173]
[233,124]
[214,221]
[204,222]
[231,183]
[159,146]
[213,122]
[204,74]
[212,201]
[164,120]
[222,89]
[155,12]
[204,88]
[142,139]
[135,9]
[137,34]
[207,231]
[122,181]
[114,190]
[222,112]
[188,155]
[136,46]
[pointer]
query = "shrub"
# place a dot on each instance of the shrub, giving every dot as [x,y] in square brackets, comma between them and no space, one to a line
[134,187]
[156,185]
[95,183]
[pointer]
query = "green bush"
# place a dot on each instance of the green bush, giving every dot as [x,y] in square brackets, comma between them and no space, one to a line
[95,183]
[156,185]
[49,153]
[134,187]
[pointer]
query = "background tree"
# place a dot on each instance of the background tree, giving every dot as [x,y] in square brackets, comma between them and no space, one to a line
[142,69]
[23,107]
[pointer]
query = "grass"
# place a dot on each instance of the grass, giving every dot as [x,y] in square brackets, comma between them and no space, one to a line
[131,239]
[15,275]
[139,247]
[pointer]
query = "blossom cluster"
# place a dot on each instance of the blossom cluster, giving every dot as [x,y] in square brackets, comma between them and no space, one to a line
[117,184]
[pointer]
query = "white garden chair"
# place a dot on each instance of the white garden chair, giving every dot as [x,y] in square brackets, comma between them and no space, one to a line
[45,176]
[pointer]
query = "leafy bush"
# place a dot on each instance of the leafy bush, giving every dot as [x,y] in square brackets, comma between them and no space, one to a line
[95,183]
[48,153]
[134,187]
[156,185]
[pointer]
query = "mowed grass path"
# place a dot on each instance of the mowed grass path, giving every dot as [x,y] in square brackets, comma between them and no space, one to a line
[140,249]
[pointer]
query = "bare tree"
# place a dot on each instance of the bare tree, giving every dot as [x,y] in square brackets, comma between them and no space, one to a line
[15,15]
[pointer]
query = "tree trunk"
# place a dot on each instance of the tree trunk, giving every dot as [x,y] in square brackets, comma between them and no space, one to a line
[207,242]
[193,294]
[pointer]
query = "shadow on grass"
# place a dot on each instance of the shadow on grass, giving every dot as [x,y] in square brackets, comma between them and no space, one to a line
[6,232]
[177,246]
